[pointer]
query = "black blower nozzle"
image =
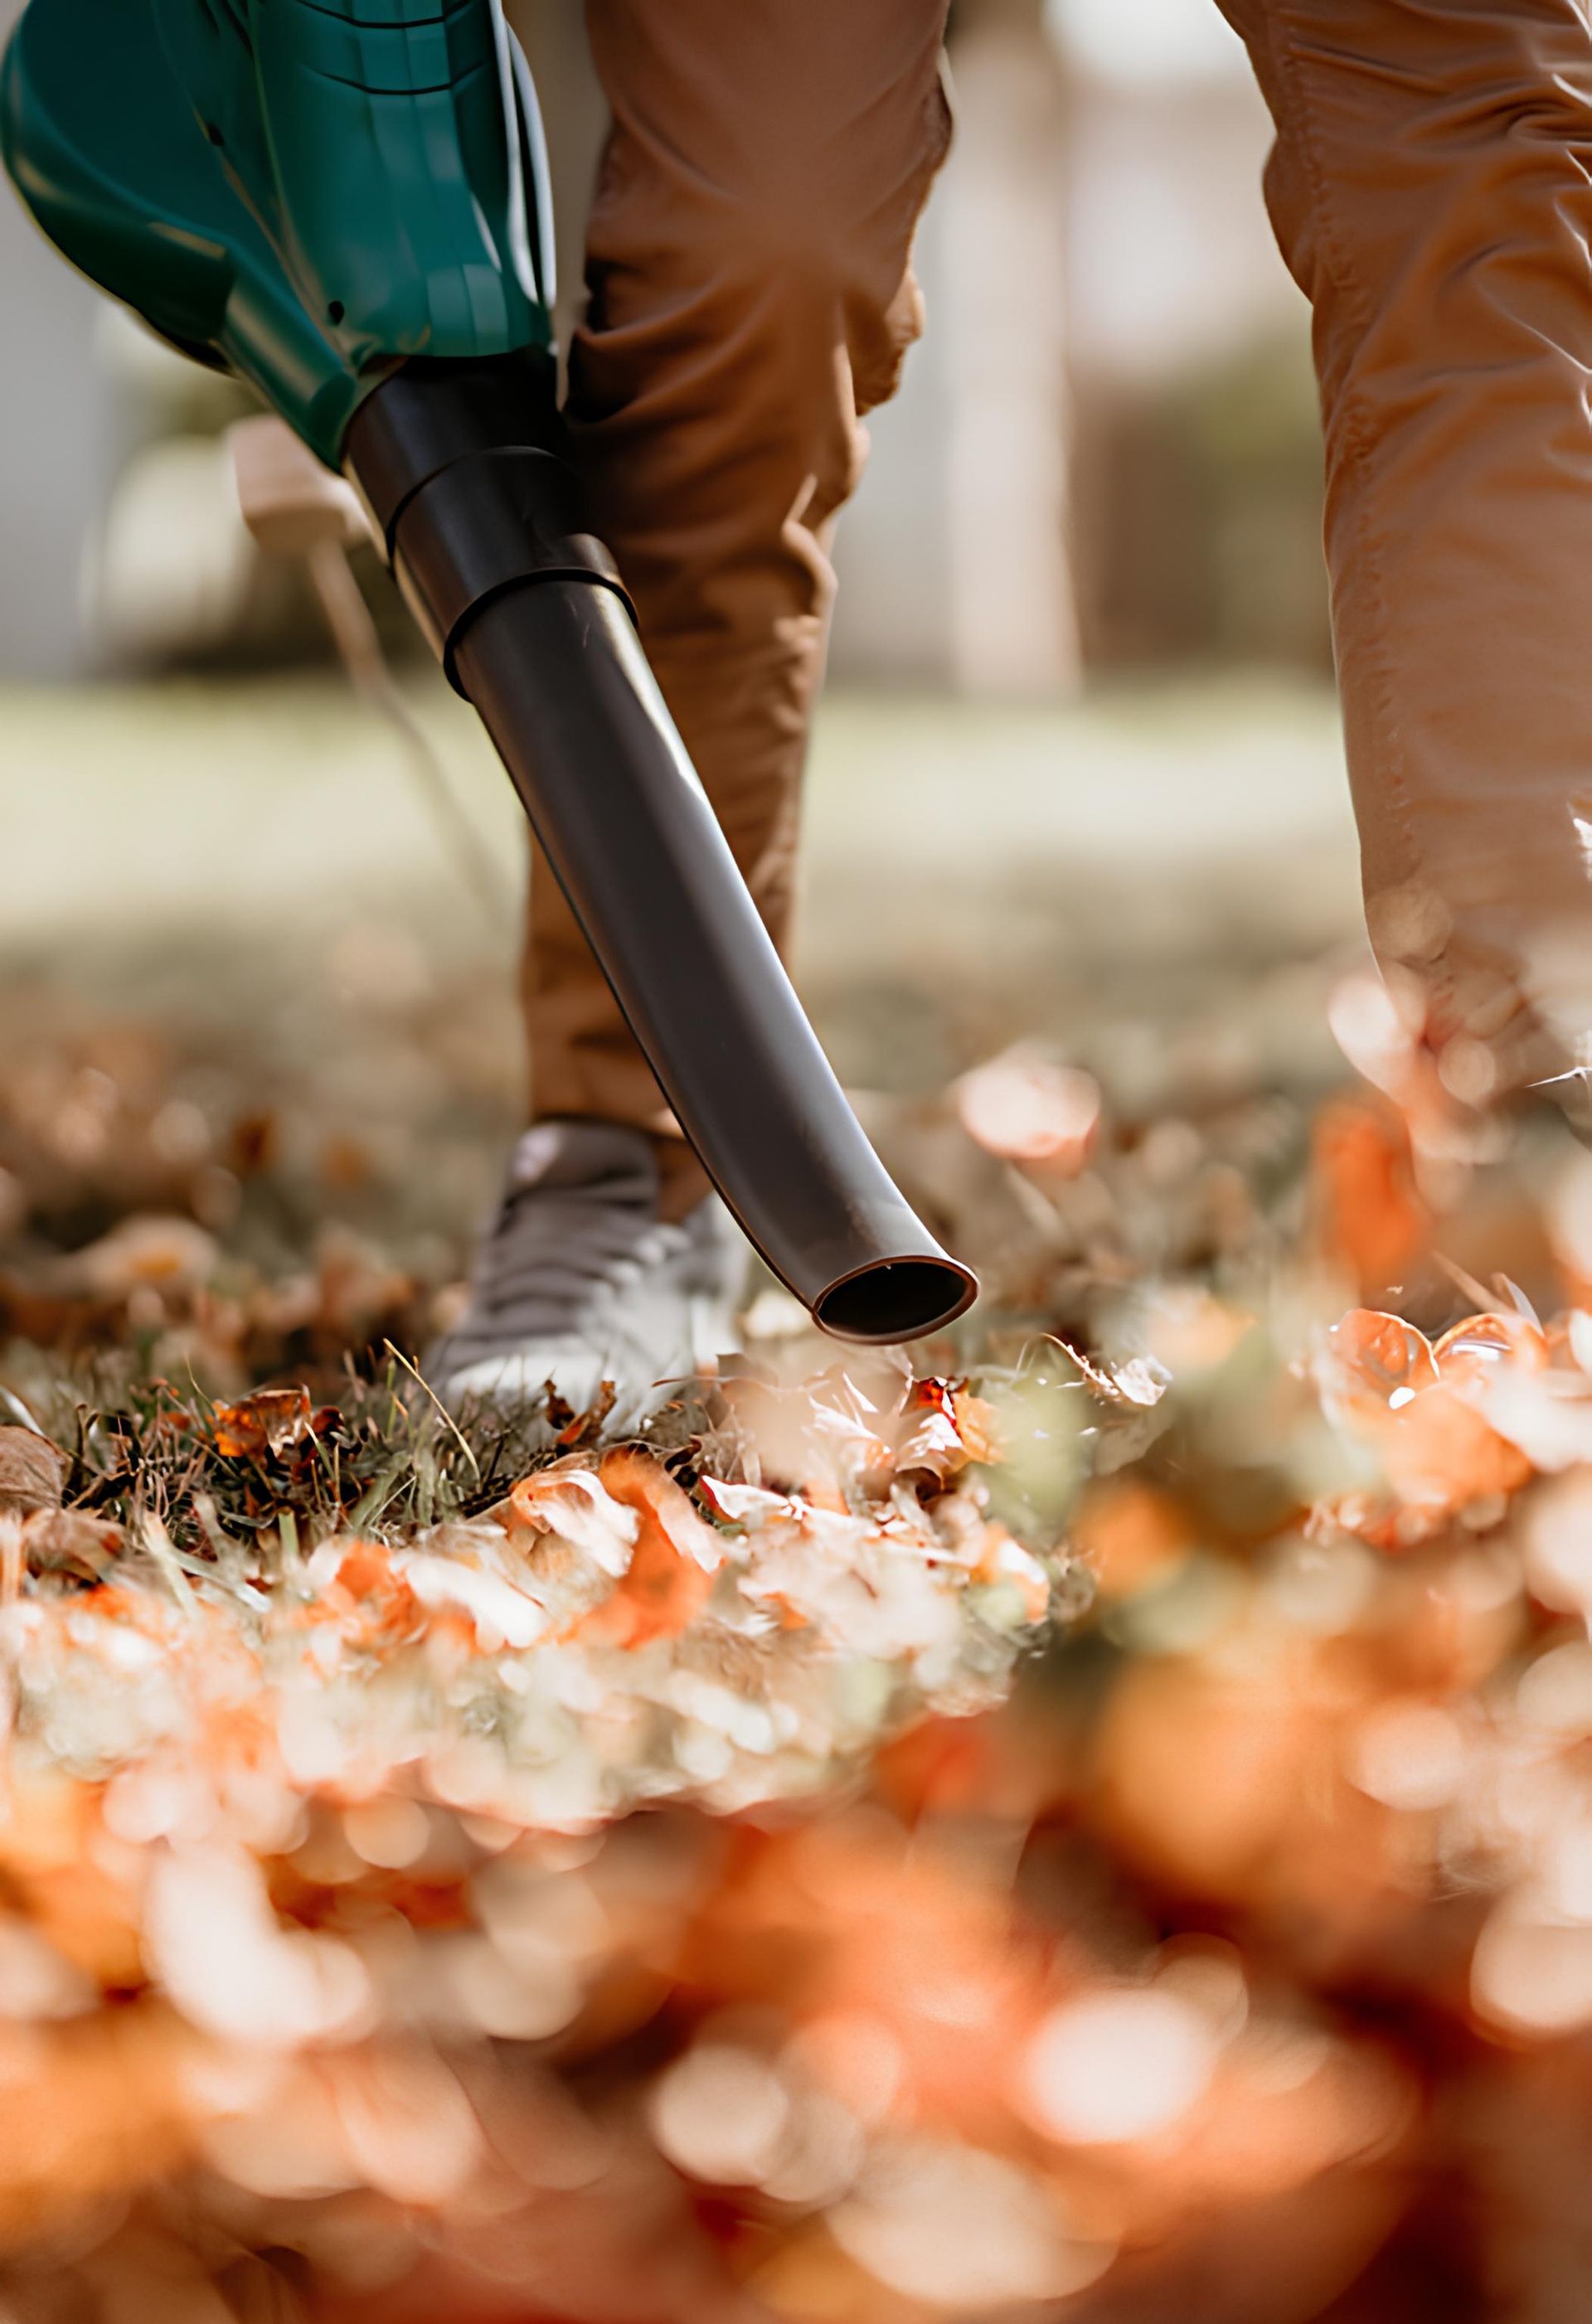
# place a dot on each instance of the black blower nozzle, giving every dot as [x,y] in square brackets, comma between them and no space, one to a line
[460,466]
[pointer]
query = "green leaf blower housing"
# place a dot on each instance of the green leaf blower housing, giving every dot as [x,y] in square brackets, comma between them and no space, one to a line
[345,202]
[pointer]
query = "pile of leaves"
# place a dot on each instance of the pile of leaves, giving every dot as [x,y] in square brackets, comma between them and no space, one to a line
[613,1630]
[1095,1824]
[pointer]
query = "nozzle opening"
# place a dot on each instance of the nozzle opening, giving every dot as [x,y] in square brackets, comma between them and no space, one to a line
[896,1299]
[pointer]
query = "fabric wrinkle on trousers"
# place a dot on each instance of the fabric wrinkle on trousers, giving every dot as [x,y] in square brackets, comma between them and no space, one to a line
[1431,188]
[751,298]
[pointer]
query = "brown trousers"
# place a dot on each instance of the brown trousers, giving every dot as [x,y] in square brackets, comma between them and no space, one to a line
[751,297]
[749,265]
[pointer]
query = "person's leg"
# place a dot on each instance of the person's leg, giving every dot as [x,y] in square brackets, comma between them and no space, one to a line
[751,296]
[1431,188]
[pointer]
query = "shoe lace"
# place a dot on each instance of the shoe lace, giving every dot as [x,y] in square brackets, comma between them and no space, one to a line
[547,1267]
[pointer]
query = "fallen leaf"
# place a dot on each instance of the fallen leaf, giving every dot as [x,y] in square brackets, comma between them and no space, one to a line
[32,1472]
[269,1421]
[672,1566]
[1028,1110]
[573,1502]
[1368,1214]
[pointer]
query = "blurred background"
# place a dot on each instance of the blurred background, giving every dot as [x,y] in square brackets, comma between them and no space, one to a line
[1104,457]
[1084,569]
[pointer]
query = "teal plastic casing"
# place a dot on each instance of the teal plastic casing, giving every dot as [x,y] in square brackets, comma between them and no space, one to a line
[306,192]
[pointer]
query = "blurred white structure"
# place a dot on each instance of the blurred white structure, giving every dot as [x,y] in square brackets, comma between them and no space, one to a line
[1099,229]
[1169,253]
[953,562]
[1014,630]
[55,440]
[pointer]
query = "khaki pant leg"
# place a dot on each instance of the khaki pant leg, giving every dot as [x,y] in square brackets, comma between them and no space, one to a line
[749,265]
[1432,190]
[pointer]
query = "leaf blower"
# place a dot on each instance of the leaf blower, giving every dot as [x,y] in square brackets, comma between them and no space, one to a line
[344,203]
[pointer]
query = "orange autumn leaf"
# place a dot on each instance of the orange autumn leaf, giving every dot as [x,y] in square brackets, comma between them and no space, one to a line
[672,1566]
[1130,1535]
[1470,1353]
[1383,1379]
[1368,1213]
[569,1501]
[105,2118]
[944,1426]
[376,1607]
[1372,1366]
[1443,1455]
[265,1422]
[976,1425]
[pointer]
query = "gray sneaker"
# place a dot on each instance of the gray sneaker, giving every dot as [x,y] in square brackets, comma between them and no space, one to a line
[579,1281]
